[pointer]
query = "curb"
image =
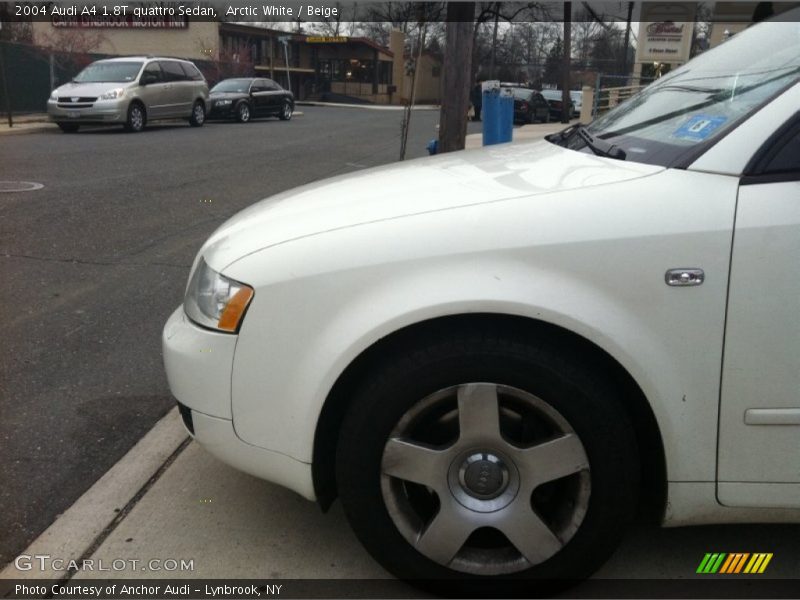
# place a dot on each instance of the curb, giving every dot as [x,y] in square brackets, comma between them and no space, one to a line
[39,126]
[85,524]
[365,106]
[29,127]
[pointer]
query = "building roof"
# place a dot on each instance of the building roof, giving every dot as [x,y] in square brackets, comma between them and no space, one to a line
[252,30]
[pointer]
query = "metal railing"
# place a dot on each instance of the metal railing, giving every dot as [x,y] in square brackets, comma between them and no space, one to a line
[607,95]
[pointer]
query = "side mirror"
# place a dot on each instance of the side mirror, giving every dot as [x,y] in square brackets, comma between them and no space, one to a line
[147,79]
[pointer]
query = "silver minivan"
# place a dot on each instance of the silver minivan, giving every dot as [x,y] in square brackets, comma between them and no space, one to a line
[131,91]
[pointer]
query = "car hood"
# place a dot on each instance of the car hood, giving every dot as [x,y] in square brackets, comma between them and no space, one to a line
[89,89]
[418,186]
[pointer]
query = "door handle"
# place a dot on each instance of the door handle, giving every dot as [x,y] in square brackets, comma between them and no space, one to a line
[684,277]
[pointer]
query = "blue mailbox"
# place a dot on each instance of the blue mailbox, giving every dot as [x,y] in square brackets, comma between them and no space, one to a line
[498,113]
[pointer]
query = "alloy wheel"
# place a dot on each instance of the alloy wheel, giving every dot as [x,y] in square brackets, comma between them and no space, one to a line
[485,479]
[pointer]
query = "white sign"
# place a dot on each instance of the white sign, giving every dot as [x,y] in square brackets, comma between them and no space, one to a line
[665,33]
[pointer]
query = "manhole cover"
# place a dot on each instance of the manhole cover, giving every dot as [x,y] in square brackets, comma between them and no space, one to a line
[19,186]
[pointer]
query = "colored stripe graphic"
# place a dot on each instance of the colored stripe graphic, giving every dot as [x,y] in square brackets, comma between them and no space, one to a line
[727,564]
[734,563]
[711,562]
[758,563]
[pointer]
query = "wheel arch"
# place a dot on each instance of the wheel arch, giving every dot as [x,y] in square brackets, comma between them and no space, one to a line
[648,434]
[140,102]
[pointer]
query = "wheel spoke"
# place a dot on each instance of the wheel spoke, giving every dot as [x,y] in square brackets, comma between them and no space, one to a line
[551,460]
[529,534]
[445,534]
[478,412]
[413,462]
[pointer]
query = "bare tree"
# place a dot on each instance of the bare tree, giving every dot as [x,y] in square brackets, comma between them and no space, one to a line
[584,30]
[69,49]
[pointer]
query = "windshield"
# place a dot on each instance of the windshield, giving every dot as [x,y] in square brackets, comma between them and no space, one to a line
[232,85]
[521,93]
[116,71]
[697,103]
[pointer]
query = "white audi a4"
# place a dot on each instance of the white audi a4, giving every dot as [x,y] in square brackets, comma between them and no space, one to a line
[494,358]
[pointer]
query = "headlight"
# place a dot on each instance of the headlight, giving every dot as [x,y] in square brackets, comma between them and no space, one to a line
[223,102]
[113,94]
[212,300]
[54,94]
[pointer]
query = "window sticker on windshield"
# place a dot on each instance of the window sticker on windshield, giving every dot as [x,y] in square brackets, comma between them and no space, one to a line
[699,127]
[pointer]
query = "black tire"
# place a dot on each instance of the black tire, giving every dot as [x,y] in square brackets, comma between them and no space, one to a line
[69,127]
[243,113]
[198,114]
[137,118]
[286,111]
[583,399]
[546,117]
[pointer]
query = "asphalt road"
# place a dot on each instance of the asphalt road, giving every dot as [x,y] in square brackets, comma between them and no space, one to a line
[93,264]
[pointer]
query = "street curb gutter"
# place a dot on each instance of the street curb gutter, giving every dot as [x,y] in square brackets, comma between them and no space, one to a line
[84,525]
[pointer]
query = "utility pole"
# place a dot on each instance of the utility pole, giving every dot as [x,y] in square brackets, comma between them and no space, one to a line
[493,61]
[284,39]
[457,76]
[566,100]
[627,40]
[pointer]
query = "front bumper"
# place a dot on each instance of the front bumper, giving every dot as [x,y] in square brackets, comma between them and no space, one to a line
[220,111]
[102,111]
[199,364]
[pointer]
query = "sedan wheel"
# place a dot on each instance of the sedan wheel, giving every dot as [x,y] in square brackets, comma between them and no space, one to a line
[488,459]
[198,115]
[483,481]
[286,112]
[243,112]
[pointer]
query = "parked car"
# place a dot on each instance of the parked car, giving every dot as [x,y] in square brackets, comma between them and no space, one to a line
[529,106]
[496,358]
[555,100]
[245,98]
[131,91]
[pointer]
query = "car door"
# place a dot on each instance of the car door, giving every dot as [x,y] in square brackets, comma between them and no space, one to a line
[259,97]
[154,91]
[759,444]
[178,92]
[276,95]
[541,108]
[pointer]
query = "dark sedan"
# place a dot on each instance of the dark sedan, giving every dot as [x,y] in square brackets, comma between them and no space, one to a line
[243,99]
[555,100]
[529,106]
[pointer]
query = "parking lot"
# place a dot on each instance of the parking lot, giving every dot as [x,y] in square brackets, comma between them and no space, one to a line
[93,263]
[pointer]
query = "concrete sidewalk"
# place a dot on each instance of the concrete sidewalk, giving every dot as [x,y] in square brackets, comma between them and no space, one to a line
[525,133]
[29,123]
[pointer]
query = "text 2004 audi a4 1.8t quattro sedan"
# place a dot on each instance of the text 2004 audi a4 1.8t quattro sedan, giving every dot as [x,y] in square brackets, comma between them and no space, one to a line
[493,357]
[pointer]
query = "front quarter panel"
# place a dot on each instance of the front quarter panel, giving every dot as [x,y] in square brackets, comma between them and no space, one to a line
[591,260]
